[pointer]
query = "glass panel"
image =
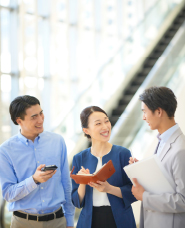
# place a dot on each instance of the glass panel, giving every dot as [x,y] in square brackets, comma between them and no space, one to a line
[5,41]
[29,5]
[5,100]
[61,10]
[5,2]
[43,7]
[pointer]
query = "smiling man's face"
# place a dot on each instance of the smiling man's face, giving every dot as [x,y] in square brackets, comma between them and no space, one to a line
[32,124]
[152,118]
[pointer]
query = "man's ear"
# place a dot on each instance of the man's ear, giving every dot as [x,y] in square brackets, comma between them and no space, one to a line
[18,120]
[86,131]
[159,112]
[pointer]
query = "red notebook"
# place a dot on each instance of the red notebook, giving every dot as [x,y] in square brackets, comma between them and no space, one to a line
[103,174]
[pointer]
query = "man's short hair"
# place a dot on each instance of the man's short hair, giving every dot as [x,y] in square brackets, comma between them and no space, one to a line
[19,105]
[160,97]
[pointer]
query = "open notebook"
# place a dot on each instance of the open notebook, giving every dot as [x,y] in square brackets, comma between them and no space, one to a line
[151,174]
[106,171]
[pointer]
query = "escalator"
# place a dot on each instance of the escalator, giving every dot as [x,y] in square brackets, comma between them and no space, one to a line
[150,61]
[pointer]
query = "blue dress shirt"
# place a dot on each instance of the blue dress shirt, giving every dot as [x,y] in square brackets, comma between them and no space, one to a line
[163,138]
[20,158]
[121,207]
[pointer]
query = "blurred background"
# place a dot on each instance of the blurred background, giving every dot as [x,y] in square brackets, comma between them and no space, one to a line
[71,54]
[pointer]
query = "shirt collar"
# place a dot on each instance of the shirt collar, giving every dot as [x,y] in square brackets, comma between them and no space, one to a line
[166,135]
[25,140]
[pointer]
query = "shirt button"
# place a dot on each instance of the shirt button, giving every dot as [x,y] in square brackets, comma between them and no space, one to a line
[38,162]
[42,200]
[26,143]
[33,187]
[35,148]
[41,187]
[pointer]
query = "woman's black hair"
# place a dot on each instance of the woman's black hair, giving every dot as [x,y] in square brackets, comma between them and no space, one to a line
[84,116]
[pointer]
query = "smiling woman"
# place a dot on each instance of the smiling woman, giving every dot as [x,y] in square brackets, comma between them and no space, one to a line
[92,119]
[104,203]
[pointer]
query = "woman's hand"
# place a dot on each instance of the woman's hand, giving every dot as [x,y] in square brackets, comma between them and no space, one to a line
[132,160]
[83,171]
[106,187]
[101,186]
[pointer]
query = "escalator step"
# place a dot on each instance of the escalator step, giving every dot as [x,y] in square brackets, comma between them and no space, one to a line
[160,48]
[176,26]
[150,62]
[113,119]
[125,100]
[157,53]
[180,20]
[146,70]
[131,90]
[165,41]
[119,110]
[138,80]
[171,33]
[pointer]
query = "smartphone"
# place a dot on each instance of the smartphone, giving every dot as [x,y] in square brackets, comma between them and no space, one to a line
[49,167]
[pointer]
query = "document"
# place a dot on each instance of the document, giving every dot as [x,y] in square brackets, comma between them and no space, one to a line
[106,171]
[151,174]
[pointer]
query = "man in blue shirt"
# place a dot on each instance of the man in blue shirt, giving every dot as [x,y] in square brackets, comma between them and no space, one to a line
[37,198]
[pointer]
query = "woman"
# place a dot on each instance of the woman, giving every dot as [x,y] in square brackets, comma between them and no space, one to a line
[105,204]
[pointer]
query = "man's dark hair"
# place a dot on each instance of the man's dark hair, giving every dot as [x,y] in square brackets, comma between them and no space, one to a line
[160,97]
[19,105]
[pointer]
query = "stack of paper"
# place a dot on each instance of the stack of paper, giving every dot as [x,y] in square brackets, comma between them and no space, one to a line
[151,174]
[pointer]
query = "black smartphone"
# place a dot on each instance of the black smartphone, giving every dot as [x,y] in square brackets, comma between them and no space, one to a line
[49,167]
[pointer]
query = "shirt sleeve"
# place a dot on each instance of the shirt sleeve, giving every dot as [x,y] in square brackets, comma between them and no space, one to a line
[170,202]
[11,189]
[127,195]
[69,209]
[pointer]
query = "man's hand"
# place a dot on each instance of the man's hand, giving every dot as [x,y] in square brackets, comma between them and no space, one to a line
[40,176]
[137,190]
[131,161]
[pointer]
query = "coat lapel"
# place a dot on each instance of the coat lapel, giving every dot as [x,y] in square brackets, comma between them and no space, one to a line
[170,141]
[91,162]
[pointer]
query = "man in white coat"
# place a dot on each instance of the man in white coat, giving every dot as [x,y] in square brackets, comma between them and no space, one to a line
[165,210]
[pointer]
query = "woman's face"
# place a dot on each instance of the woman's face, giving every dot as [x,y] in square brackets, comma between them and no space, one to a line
[99,127]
